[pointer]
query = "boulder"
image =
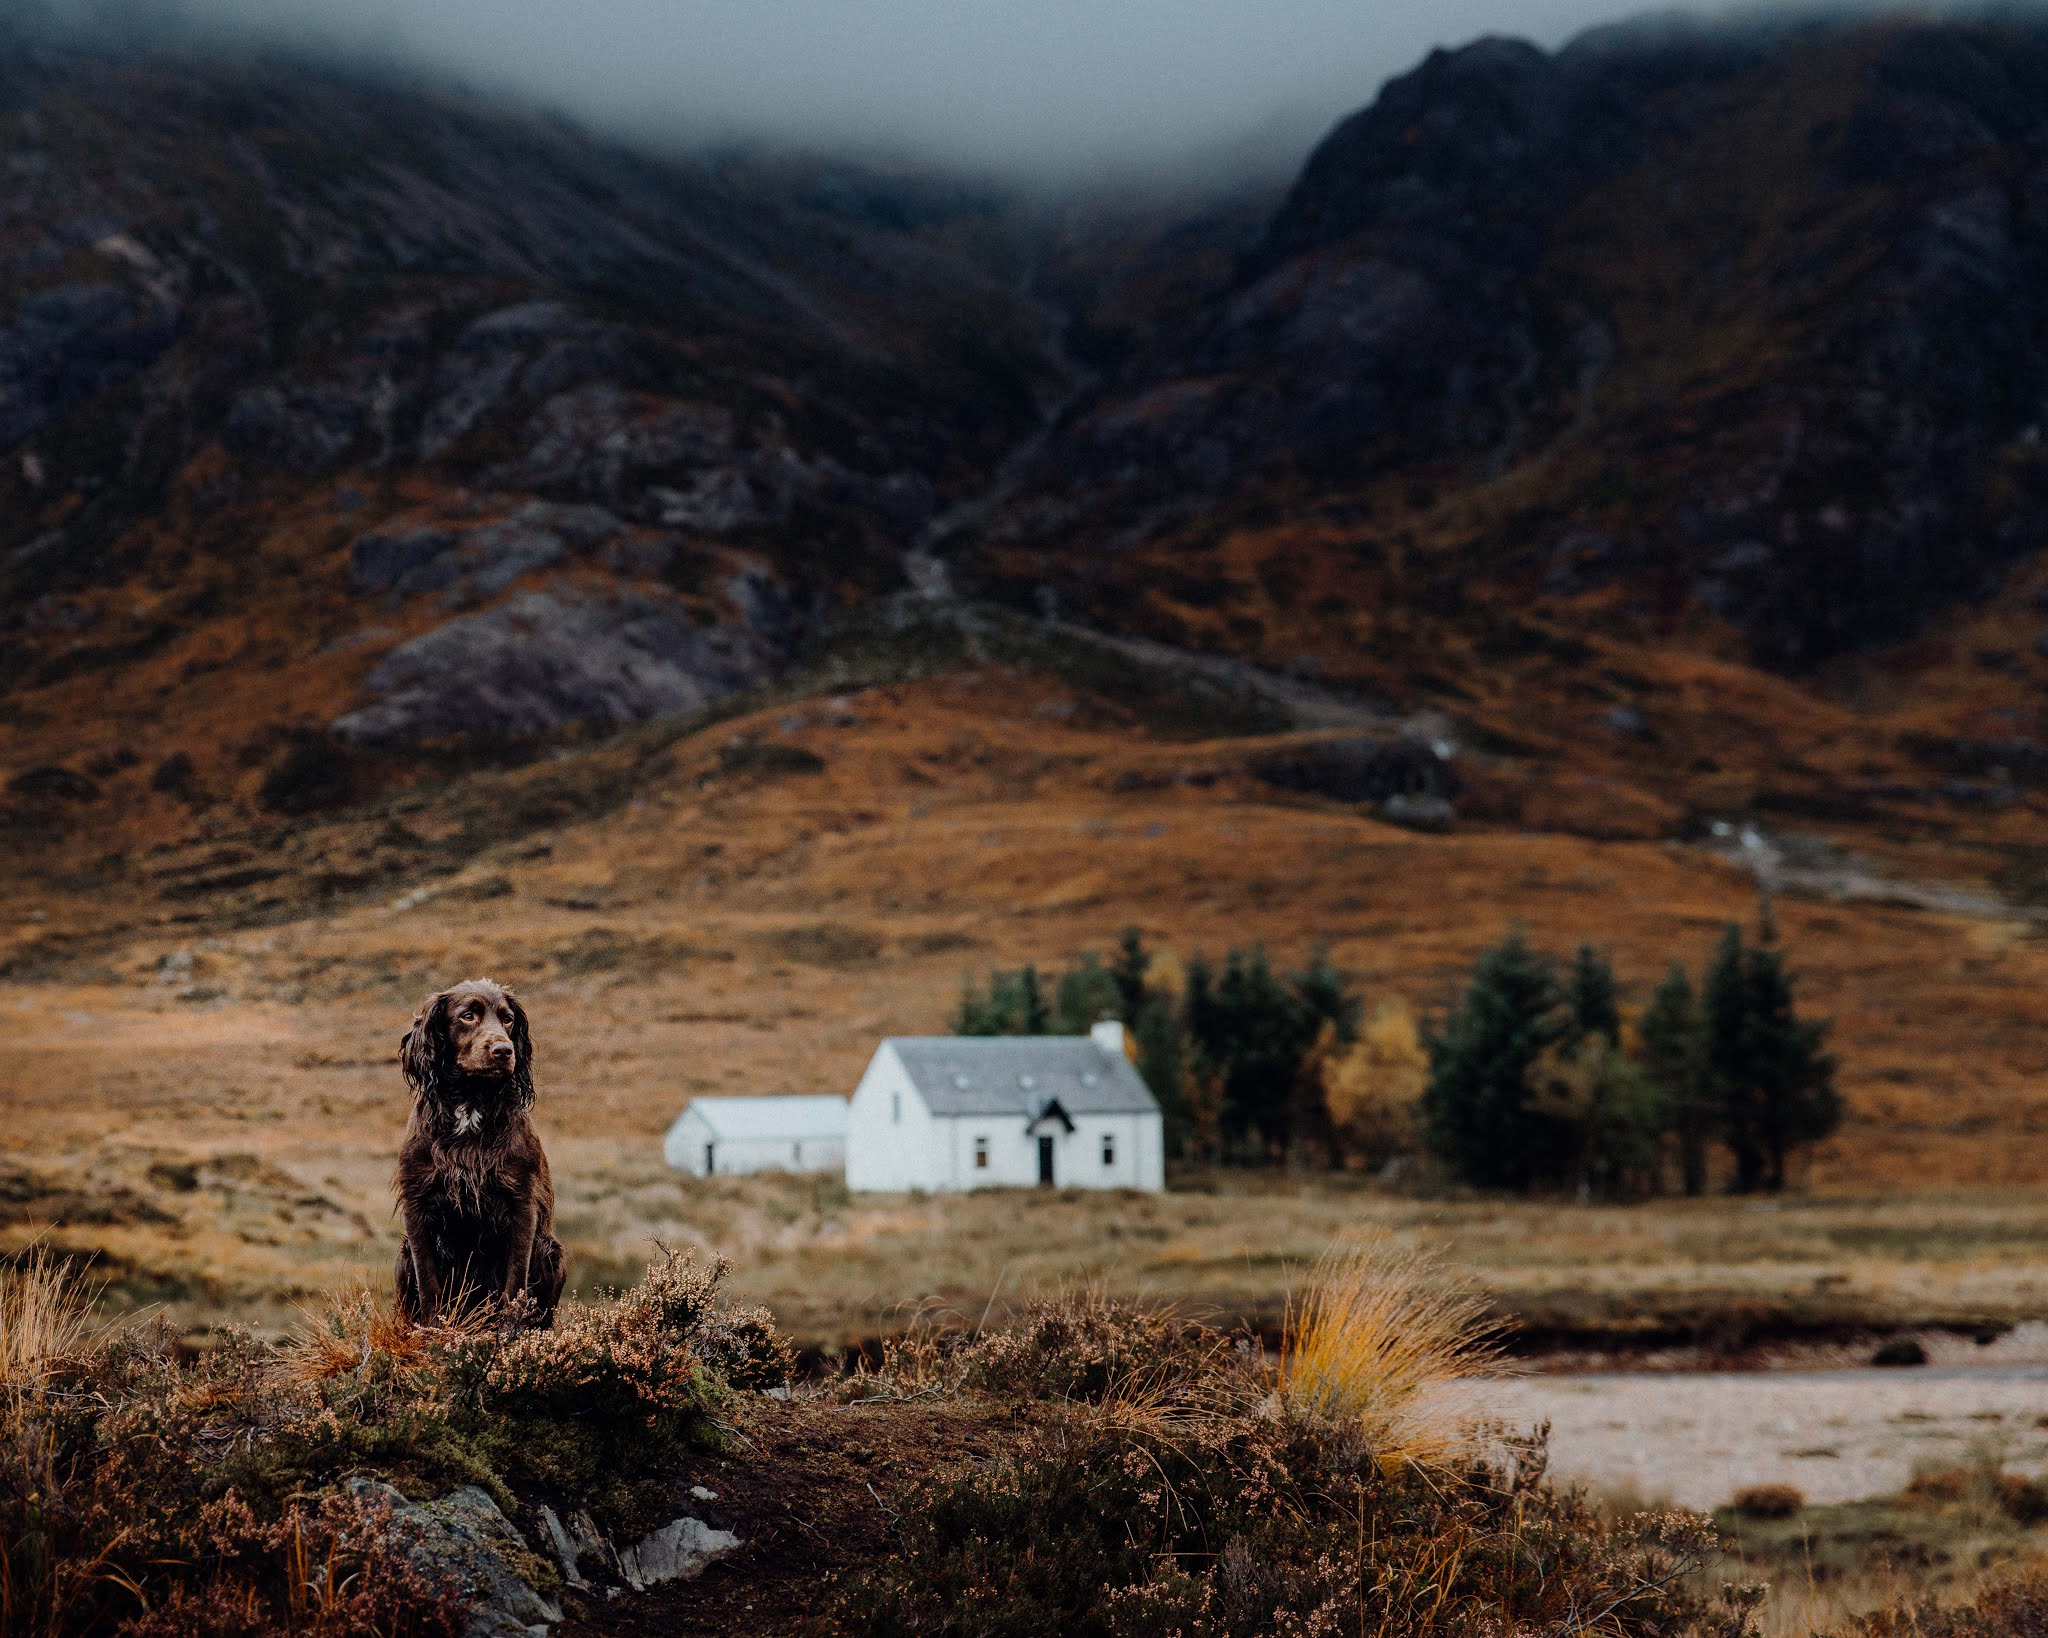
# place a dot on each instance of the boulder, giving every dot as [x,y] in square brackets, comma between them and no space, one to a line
[542,661]
[305,428]
[1428,813]
[1363,769]
[679,1551]
[379,560]
[465,1538]
[479,563]
[69,342]
[596,438]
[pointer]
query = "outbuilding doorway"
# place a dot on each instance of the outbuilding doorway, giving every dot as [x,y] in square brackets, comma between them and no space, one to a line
[1045,1162]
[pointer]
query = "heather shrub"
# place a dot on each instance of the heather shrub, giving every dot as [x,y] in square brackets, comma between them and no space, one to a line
[1084,1347]
[328,1569]
[602,1404]
[2015,1608]
[1217,1523]
[1178,1482]
[1768,1501]
[1087,1347]
[148,1495]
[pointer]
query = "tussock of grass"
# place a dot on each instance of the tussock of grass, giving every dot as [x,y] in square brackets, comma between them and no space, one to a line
[1373,1343]
[357,1337]
[46,1321]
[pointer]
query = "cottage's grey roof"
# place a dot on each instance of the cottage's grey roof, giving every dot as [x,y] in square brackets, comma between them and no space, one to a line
[817,1117]
[1020,1075]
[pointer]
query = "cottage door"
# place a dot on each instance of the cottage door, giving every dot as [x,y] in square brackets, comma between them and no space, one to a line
[1045,1161]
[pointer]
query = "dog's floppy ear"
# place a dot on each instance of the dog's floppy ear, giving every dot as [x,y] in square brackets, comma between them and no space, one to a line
[424,1051]
[522,1053]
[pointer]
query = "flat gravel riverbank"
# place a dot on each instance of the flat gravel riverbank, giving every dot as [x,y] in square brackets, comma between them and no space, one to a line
[1697,1438]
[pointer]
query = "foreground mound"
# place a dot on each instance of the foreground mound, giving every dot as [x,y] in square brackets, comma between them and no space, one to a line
[1092,1470]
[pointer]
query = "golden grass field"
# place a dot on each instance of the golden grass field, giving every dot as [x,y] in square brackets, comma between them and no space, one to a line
[206,1095]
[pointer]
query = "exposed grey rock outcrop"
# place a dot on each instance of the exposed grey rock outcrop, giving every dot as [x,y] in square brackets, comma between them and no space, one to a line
[679,1551]
[477,563]
[1364,769]
[543,660]
[306,428]
[464,1537]
[379,560]
[1879,452]
[68,343]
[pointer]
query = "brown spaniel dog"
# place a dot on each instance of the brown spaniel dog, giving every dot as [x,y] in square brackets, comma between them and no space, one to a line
[473,1184]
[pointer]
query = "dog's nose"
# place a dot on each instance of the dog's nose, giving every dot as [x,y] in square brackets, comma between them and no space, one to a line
[501,1051]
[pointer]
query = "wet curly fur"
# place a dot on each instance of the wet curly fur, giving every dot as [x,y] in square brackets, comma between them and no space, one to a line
[473,1185]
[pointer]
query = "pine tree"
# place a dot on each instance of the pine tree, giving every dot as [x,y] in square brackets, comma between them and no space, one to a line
[1160,1065]
[1133,962]
[1731,1087]
[1250,1030]
[977,1013]
[1087,993]
[1479,1109]
[1590,997]
[1259,1045]
[1674,1056]
[1034,1016]
[1319,989]
[1797,1103]
[1617,1112]
[1773,1083]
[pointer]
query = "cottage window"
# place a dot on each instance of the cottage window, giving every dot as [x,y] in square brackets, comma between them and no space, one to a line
[896,1108]
[796,1154]
[981,1154]
[1108,1148]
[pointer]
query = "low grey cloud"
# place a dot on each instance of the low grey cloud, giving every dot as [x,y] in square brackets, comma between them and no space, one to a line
[1059,87]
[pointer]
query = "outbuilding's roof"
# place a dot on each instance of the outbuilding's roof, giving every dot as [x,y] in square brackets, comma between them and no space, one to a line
[1020,1075]
[786,1119]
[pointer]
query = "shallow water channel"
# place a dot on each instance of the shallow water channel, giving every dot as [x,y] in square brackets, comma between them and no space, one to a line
[1696,1438]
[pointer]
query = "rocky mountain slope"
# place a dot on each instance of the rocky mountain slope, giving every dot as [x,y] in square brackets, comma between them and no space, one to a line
[1659,421]
[1746,325]
[331,408]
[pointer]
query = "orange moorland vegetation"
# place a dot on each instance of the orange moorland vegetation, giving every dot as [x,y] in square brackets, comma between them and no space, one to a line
[200,1065]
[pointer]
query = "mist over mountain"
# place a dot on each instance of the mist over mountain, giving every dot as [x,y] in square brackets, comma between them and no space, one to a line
[1059,91]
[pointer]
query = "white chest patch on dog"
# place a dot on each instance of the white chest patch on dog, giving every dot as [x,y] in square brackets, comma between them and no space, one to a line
[467,1119]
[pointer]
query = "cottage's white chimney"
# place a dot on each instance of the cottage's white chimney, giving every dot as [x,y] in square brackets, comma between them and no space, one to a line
[1108,1035]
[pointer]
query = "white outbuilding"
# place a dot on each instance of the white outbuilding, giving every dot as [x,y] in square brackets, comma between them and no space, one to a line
[950,1112]
[724,1136]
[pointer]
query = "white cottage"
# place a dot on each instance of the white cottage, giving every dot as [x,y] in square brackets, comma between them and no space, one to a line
[723,1136]
[954,1112]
